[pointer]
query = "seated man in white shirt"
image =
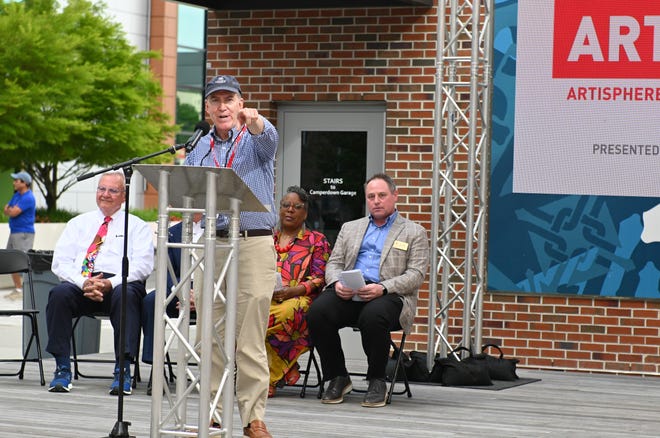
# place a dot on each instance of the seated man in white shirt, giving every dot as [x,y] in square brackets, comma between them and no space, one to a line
[88,261]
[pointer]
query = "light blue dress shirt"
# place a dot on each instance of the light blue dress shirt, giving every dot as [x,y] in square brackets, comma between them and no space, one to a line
[368,259]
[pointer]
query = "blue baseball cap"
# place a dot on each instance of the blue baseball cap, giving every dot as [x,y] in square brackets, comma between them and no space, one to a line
[222,82]
[23,176]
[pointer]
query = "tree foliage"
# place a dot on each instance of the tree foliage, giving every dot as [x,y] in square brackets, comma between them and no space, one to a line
[73,90]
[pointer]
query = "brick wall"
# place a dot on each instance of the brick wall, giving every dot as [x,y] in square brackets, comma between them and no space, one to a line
[569,333]
[388,54]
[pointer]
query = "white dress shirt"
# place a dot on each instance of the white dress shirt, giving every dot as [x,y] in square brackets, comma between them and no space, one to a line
[71,248]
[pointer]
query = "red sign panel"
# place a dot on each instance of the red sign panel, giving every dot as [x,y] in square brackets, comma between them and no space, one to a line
[606,39]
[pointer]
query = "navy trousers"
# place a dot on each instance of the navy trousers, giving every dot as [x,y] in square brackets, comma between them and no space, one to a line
[66,301]
[148,323]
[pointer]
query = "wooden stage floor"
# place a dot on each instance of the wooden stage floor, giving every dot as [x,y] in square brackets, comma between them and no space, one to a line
[562,404]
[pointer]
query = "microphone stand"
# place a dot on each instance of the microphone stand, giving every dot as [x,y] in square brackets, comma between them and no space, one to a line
[120,428]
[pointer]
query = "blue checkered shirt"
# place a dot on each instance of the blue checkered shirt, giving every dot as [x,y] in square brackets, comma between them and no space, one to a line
[253,163]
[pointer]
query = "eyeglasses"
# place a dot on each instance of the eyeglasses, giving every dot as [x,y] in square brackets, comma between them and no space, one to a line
[287,205]
[113,192]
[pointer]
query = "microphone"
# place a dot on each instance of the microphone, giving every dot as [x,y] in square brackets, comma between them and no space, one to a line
[201,129]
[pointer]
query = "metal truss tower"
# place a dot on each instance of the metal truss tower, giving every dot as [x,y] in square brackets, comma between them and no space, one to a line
[461,169]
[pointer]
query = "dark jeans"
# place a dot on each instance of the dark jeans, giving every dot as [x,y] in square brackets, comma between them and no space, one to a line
[66,301]
[375,319]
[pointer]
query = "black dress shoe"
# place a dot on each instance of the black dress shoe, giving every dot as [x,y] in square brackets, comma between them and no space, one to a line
[337,388]
[375,396]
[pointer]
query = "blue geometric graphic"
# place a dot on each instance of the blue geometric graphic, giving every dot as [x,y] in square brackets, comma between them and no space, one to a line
[579,245]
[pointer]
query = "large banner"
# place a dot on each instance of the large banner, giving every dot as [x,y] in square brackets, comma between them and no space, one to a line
[587,98]
[575,167]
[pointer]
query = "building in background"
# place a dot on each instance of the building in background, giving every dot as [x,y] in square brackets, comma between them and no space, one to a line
[350,86]
[353,82]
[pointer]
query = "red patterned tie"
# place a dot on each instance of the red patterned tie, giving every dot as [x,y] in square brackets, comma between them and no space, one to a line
[93,250]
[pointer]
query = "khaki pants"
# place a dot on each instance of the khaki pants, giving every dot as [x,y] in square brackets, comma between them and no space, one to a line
[256,281]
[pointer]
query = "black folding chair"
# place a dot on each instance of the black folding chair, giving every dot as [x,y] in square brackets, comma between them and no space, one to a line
[311,360]
[15,261]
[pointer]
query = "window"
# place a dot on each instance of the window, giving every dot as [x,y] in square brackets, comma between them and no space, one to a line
[191,69]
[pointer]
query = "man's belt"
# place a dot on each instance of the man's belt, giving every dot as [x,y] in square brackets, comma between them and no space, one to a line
[246,233]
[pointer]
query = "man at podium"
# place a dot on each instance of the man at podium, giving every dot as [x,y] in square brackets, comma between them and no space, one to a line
[245,141]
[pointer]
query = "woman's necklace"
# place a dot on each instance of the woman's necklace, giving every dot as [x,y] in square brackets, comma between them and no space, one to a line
[289,245]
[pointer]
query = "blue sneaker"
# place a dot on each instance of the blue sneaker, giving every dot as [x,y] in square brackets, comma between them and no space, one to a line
[62,380]
[127,386]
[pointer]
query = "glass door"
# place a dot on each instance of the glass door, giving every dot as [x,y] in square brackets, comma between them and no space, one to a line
[330,151]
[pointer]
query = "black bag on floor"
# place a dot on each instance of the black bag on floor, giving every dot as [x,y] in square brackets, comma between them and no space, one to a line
[470,371]
[413,365]
[416,368]
[499,367]
[391,364]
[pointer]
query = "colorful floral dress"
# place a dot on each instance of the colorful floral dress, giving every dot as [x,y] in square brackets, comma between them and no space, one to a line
[301,262]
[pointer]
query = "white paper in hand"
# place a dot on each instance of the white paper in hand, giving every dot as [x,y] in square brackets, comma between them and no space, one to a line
[354,280]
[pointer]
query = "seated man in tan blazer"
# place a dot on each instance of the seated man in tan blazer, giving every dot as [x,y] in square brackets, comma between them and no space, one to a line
[392,254]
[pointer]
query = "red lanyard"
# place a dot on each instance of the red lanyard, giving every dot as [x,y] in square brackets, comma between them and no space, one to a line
[231,148]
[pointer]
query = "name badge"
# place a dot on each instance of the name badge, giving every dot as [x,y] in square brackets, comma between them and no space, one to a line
[400,245]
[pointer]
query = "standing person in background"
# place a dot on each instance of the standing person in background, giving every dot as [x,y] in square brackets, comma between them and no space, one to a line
[21,210]
[301,258]
[243,140]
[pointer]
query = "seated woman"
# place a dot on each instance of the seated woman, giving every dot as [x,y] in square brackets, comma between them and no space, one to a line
[301,258]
